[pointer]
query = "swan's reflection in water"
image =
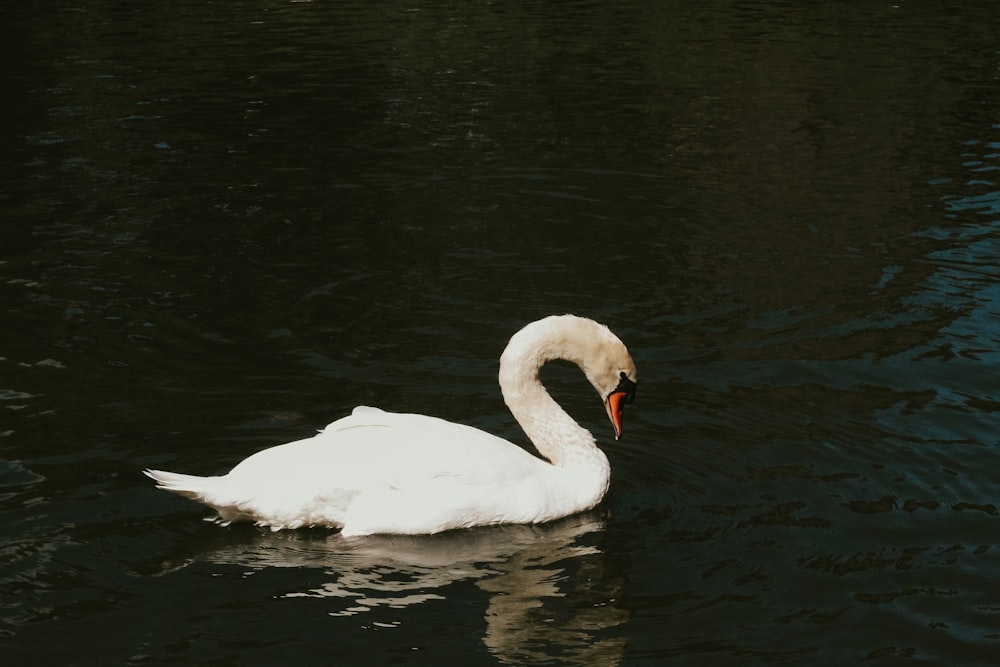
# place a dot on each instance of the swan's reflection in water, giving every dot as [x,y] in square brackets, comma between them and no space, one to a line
[548,590]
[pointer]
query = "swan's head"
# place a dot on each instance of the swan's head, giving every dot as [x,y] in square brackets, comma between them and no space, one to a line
[611,371]
[590,345]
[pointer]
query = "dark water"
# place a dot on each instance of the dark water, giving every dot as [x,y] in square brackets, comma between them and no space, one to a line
[226,224]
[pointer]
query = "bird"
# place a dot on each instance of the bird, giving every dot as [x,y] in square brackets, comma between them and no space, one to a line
[379,472]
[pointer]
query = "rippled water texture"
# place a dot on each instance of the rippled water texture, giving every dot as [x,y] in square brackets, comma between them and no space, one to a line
[226,224]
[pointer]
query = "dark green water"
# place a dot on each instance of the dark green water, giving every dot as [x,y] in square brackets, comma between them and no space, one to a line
[226,224]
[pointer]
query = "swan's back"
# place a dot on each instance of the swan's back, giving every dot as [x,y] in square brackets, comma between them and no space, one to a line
[373,447]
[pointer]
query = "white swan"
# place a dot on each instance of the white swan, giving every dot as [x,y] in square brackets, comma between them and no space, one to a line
[383,472]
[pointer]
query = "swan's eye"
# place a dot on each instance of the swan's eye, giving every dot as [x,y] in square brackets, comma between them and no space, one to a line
[626,386]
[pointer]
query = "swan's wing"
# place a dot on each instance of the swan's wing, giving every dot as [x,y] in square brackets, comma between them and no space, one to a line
[372,448]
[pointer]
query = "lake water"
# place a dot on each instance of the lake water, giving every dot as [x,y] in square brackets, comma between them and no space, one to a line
[226,224]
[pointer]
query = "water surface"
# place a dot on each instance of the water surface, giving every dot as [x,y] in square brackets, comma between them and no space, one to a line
[224,225]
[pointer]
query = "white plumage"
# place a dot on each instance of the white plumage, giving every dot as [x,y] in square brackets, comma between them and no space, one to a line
[383,472]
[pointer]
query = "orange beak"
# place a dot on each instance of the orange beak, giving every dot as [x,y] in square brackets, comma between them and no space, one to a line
[615,405]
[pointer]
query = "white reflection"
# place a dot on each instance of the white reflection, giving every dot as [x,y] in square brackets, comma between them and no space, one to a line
[548,593]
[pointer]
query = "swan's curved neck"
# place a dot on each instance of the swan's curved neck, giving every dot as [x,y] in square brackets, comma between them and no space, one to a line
[554,433]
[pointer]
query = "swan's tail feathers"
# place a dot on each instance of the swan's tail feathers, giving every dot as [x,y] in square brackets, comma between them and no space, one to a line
[189,486]
[211,491]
